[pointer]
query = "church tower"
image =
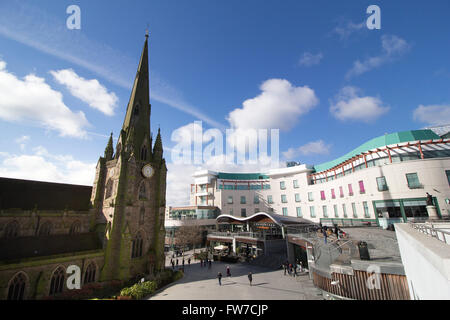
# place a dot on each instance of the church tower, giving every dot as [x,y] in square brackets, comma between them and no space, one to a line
[128,196]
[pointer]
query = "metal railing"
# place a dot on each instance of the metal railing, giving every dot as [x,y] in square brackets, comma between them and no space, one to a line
[433,230]
[253,235]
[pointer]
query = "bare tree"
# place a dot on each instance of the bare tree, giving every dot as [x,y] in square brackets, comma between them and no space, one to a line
[189,235]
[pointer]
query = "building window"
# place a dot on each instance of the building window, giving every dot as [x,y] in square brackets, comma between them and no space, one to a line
[333,195]
[295,182]
[325,211]
[312,212]
[269,200]
[413,181]
[256,199]
[142,191]
[381,183]
[45,229]
[344,210]
[144,153]
[350,189]
[243,200]
[283,198]
[336,213]
[136,246]
[355,214]
[366,210]
[16,288]
[322,195]
[361,187]
[11,230]
[243,212]
[231,212]
[89,275]
[282,185]
[75,228]
[285,212]
[299,211]
[310,196]
[341,192]
[230,200]
[57,281]
[297,197]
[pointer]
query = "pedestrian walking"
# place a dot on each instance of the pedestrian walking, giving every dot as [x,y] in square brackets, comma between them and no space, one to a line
[228,271]
[219,276]
[325,235]
[173,265]
[295,270]
[183,263]
[177,262]
[250,278]
[285,268]
[189,261]
[300,265]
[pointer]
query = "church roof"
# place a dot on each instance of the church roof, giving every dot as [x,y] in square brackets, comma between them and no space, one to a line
[27,194]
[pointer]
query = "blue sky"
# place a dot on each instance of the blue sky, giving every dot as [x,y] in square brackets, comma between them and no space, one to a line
[209,59]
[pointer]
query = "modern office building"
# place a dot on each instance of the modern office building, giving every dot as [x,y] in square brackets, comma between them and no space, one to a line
[383,181]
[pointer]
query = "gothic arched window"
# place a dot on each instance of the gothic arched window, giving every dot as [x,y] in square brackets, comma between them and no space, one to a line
[144,153]
[89,275]
[137,246]
[75,228]
[109,187]
[45,229]
[142,192]
[12,230]
[16,288]
[57,281]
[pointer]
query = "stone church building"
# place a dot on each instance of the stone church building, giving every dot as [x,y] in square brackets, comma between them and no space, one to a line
[113,230]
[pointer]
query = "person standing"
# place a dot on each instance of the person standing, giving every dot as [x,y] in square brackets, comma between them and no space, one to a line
[295,270]
[189,261]
[219,276]
[325,235]
[285,268]
[250,278]
[228,271]
[177,262]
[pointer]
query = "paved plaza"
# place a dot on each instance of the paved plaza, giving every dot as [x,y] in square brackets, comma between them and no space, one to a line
[201,283]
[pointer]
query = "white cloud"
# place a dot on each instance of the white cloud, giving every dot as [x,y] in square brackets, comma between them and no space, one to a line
[309,59]
[33,101]
[89,91]
[433,115]
[392,48]
[350,106]
[345,29]
[278,106]
[43,166]
[311,148]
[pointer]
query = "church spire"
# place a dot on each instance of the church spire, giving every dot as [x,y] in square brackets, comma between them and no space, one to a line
[109,149]
[138,110]
[158,148]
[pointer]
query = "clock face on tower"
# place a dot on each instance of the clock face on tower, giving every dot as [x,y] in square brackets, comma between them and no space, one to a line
[148,171]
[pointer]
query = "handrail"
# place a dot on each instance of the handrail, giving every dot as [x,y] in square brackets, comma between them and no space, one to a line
[432,230]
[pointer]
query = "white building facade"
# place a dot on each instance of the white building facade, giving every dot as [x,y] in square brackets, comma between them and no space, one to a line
[384,181]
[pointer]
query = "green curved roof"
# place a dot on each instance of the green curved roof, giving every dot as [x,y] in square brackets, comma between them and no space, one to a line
[387,139]
[242,176]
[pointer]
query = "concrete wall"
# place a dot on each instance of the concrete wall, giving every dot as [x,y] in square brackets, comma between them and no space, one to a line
[426,261]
